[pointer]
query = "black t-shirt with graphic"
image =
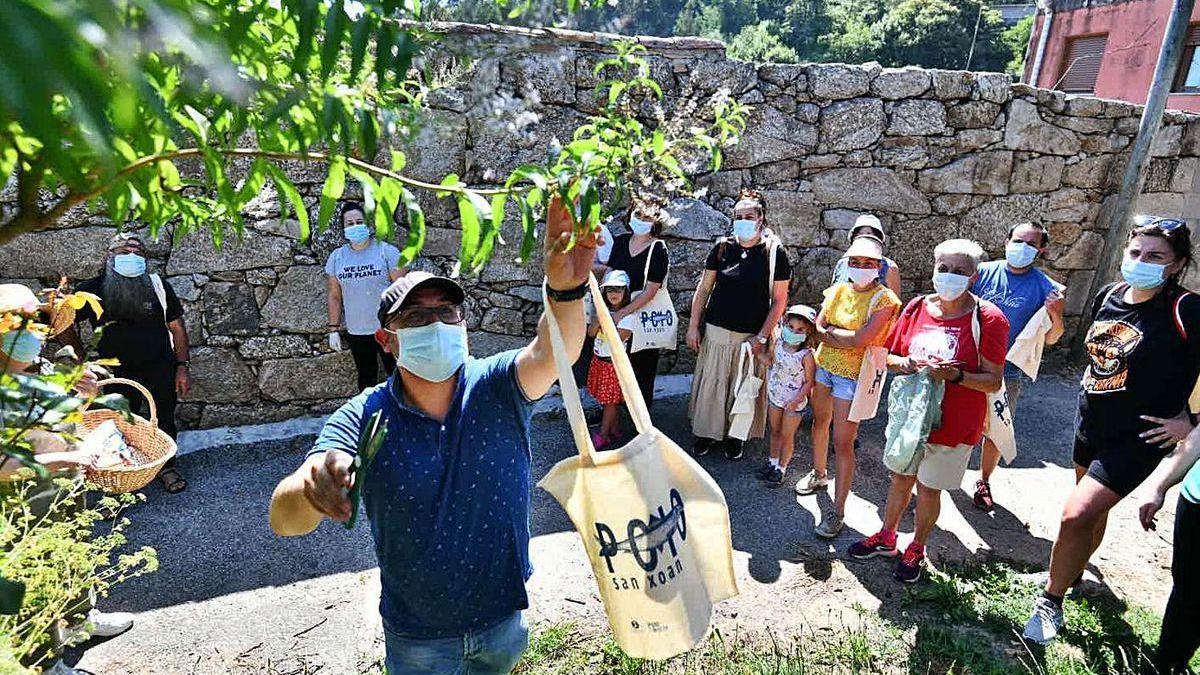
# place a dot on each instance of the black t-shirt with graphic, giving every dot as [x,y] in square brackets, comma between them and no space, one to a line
[1144,359]
[141,342]
[635,266]
[740,300]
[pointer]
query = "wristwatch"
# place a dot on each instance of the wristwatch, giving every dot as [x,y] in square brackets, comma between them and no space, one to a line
[185,364]
[962,375]
[761,339]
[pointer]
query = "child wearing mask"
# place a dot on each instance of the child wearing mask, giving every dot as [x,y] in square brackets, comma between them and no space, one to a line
[789,381]
[602,381]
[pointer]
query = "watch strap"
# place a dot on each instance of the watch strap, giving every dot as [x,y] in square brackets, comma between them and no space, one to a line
[568,295]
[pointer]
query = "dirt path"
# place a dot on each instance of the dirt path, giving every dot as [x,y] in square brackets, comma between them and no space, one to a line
[231,597]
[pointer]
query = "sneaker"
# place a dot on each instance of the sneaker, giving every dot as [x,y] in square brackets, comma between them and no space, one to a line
[775,479]
[812,483]
[599,441]
[60,668]
[831,525]
[764,472]
[97,624]
[702,446]
[733,449]
[1046,621]
[872,546]
[983,496]
[108,624]
[908,568]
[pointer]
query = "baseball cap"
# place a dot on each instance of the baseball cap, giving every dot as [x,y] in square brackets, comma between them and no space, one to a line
[392,298]
[122,238]
[865,247]
[615,278]
[870,221]
[803,311]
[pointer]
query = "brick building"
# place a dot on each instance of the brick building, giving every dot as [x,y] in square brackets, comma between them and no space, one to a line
[1109,48]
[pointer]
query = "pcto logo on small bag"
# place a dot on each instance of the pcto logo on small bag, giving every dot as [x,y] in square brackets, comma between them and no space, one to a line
[650,542]
[657,320]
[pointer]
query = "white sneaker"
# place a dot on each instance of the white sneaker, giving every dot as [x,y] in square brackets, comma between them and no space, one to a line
[831,525]
[108,624]
[60,668]
[811,483]
[1045,623]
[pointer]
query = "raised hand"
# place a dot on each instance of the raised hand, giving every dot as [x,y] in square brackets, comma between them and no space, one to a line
[567,269]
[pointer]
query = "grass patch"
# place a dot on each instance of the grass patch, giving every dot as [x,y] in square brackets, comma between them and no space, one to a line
[964,620]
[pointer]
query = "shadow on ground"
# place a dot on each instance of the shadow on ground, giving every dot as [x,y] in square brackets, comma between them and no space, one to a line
[213,539]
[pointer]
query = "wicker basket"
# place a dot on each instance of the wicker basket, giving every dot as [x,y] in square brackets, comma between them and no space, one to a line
[151,446]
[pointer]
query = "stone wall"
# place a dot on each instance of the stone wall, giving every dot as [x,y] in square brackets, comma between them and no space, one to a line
[935,154]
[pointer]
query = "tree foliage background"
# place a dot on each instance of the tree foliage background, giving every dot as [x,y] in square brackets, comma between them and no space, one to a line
[930,33]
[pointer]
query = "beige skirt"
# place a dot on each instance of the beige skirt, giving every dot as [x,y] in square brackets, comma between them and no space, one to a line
[712,385]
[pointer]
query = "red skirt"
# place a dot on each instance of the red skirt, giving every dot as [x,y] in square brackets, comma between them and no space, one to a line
[602,382]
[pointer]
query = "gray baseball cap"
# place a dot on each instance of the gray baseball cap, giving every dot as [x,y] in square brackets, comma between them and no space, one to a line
[393,297]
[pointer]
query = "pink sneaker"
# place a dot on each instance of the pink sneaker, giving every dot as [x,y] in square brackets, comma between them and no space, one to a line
[599,441]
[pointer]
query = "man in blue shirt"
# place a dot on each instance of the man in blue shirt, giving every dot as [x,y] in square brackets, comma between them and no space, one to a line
[1019,289]
[447,495]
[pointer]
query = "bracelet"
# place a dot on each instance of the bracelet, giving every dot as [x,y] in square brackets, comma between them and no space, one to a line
[962,375]
[185,364]
[568,295]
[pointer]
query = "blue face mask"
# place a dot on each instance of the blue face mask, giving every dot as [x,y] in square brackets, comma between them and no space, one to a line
[21,346]
[639,226]
[1019,254]
[1143,275]
[745,230]
[950,286]
[129,265]
[433,352]
[359,233]
[793,337]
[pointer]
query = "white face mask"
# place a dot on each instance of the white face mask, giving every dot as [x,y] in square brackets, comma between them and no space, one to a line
[950,286]
[433,352]
[860,276]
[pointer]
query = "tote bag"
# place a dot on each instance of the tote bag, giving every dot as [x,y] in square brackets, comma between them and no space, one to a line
[869,389]
[745,395]
[654,524]
[999,426]
[657,320]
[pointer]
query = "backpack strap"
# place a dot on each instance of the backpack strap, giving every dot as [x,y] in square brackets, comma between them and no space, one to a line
[1178,315]
[160,292]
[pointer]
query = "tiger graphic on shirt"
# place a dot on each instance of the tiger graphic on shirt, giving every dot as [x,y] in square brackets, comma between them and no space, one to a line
[1109,344]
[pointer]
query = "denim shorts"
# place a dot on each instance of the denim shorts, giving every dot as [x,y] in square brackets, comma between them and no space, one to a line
[491,651]
[843,387]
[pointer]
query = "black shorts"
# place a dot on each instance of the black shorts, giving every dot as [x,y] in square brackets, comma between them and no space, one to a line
[1118,466]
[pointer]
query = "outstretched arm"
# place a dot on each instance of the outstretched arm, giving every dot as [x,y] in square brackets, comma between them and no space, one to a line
[565,270]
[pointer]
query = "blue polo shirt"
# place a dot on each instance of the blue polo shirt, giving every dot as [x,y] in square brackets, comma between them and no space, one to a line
[448,503]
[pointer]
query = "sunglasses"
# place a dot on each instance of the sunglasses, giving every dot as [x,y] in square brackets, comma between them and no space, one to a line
[417,317]
[1164,225]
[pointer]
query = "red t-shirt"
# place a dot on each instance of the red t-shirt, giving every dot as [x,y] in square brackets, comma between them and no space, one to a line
[920,335]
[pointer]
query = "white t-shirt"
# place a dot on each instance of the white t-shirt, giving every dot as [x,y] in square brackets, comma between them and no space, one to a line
[786,377]
[628,323]
[363,276]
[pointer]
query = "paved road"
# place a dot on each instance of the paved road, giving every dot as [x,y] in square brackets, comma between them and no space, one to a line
[232,597]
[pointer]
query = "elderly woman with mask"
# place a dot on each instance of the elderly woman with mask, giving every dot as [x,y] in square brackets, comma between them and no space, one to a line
[959,340]
[740,299]
[358,272]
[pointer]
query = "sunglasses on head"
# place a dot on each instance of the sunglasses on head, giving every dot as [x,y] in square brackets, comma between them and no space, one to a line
[1164,225]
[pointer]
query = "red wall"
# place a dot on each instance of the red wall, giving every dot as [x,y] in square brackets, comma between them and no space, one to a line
[1135,33]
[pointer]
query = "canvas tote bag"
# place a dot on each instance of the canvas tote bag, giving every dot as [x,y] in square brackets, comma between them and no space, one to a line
[999,426]
[658,323]
[871,376]
[654,524]
[745,395]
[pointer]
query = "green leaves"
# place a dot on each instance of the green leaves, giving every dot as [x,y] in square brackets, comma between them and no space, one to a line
[416,228]
[331,192]
[287,190]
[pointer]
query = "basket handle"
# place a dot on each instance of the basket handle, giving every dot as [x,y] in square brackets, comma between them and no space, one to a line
[142,390]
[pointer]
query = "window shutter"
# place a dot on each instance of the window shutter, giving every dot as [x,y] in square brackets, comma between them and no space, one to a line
[1082,65]
[1193,36]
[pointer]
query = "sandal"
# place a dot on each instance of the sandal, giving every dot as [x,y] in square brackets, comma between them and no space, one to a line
[172,481]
